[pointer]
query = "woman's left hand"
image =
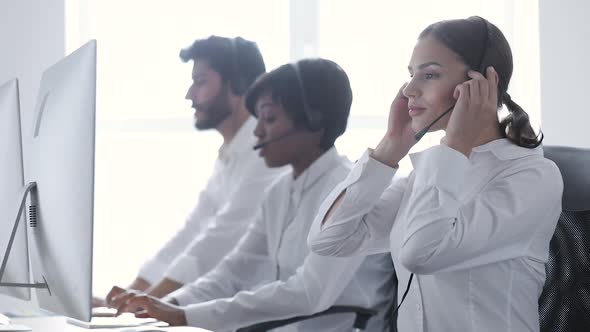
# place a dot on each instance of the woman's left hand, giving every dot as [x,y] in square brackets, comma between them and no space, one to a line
[475,109]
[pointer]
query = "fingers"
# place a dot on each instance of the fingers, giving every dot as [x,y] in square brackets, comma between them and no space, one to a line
[115,291]
[489,83]
[493,80]
[483,90]
[98,302]
[400,92]
[142,314]
[121,301]
[477,84]
[139,304]
[462,94]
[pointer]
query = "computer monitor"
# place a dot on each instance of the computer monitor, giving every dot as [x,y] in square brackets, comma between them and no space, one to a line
[11,179]
[61,163]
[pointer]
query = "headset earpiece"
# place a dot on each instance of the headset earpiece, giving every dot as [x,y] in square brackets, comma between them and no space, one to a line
[314,118]
[238,83]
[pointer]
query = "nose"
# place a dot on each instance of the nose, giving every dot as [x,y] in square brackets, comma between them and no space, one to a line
[411,89]
[259,130]
[189,93]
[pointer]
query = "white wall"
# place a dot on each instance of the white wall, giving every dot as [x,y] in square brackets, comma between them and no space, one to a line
[31,39]
[565,73]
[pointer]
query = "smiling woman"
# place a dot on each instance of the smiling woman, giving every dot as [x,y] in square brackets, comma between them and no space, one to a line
[466,213]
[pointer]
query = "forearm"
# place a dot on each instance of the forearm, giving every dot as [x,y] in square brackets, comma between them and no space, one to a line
[359,221]
[163,288]
[139,284]
[312,289]
[389,152]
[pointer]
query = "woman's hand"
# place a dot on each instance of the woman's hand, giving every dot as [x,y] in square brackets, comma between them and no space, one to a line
[145,306]
[399,138]
[475,109]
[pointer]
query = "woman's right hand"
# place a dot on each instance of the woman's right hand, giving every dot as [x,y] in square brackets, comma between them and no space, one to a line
[399,138]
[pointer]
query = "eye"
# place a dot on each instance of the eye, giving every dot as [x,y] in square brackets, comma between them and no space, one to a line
[268,118]
[430,76]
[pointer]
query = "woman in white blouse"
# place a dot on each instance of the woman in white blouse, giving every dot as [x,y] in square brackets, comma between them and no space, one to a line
[469,229]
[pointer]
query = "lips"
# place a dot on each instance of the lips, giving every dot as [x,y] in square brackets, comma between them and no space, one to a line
[415,110]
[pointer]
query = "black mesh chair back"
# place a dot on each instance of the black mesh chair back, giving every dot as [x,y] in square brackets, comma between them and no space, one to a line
[564,305]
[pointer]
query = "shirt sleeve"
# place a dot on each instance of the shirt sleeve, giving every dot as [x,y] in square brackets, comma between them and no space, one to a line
[153,269]
[222,233]
[315,286]
[498,223]
[246,266]
[361,224]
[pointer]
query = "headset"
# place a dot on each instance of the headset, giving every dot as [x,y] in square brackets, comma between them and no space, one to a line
[239,84]
[314,117]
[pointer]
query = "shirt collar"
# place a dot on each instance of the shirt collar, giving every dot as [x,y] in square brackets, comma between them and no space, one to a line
[312,174]
[502,148]
[241,143]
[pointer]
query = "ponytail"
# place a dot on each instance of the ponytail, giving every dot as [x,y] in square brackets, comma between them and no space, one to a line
[517,127]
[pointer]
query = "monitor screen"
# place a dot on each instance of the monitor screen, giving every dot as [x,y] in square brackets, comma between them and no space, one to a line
[62,165]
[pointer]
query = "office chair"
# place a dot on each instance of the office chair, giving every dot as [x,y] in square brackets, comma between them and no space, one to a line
[362,315]
[564,304]
[360,323]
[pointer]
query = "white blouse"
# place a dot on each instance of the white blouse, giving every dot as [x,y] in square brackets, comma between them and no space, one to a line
[475,231]
[271,274]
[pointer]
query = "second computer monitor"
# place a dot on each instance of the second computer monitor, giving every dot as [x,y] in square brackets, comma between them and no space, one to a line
[62,164]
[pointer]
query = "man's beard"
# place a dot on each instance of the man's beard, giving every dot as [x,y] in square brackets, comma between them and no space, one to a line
[215,111]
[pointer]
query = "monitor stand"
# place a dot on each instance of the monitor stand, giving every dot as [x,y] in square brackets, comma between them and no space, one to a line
[30,188]
[5,323]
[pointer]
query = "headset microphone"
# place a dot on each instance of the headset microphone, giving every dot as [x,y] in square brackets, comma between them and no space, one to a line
[418,135]
[272,140]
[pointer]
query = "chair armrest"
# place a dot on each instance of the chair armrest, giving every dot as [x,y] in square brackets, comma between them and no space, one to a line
[360,322]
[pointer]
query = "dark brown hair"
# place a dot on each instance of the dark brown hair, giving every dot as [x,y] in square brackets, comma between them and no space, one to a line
[481,44]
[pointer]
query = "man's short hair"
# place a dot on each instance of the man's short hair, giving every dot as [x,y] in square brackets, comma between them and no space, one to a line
[237,60]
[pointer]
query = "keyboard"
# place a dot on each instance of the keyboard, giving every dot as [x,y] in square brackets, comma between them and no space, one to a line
[104,312]
[124,320]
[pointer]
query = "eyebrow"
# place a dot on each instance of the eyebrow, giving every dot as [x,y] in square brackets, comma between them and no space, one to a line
[263,105]
[426,64]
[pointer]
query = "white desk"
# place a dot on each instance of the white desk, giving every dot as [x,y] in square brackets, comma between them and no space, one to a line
[59,324]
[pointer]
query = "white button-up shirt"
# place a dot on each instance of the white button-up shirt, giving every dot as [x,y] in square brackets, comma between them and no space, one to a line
[224,211]
[272,275]
[475,231]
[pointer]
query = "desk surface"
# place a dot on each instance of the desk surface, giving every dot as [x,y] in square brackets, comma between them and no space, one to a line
[58,324]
